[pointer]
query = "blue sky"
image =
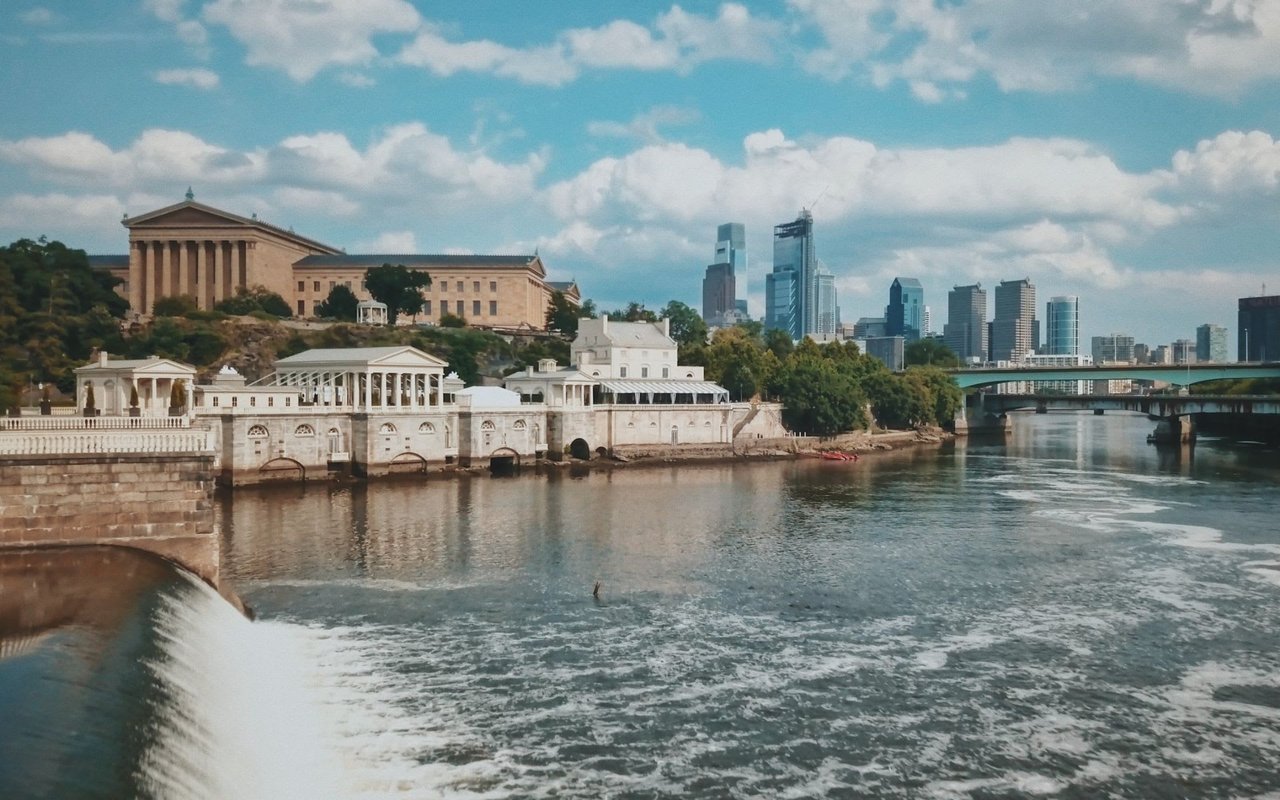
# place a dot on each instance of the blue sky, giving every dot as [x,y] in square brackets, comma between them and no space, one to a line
[1122,150]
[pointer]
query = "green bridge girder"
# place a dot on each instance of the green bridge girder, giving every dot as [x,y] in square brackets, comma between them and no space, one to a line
[1181,375]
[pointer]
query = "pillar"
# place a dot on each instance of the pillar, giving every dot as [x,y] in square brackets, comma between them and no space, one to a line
[215,270]
[184,264]
[137,269]
[166,274]
[368,390]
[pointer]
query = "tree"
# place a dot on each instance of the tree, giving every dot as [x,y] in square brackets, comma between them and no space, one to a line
[947,397]
[562,314]
[929,352]
[452,321]
[254,298]
[686,325]
[634,312]
[341,304]
[399,287]
[779,343]
[178,305]
[817,398]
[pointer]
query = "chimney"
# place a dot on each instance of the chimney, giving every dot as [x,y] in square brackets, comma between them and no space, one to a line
[604,324]
[528,371]
[666,327]
[102,358]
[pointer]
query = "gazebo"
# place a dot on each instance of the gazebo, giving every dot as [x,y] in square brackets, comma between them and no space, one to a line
[371,312]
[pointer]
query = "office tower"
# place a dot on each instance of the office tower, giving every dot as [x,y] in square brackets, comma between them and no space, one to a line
[791,290]
[718,295]
[1012,329]
[966,329]
[1062,326]
[1211,343]
[904,315]
[1163,354]
[1258,337]
[828,317]
[926,322]
[867,327]
[1141,353]
[731,248]
[1184,351]
[1116,348]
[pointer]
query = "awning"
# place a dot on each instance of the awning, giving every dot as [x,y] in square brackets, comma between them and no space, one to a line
[662,387]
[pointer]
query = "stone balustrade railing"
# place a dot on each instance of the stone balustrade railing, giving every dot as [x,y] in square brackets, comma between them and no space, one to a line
[105,441]
[68,423]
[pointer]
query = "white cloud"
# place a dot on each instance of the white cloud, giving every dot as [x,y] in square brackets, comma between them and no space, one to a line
[356,80]
[645,126]
[197,78]
[393,242]
[38,16]
[302,37]
[190,32]
[1213,47]
[677,40]
[1231,163]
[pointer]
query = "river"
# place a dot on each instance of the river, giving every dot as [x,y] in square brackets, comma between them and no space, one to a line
[1068,612]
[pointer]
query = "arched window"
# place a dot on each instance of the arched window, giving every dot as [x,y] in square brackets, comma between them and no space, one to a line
[689,375]
[304,430]
[519,425]
[486,426]
[258,432]
[387,428]
[426,427]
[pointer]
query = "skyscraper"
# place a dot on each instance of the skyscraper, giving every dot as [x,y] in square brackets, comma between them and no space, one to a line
[718,294]
[1184,351]
[1259,333]
[1062,326]
[966,329]
[1116,348]
[1013,328]
[799,293]
[1211,343]
[904,315]
[731,248]
[926,322]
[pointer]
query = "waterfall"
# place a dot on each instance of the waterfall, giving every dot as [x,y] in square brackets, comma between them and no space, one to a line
[239,714]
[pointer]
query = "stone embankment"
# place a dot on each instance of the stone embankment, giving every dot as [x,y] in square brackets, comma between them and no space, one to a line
[780,447]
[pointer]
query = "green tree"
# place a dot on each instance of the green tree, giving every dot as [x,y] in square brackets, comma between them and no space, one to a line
[399,287]
[686,325]
[562,314]
[178,305]
[738,362]
[929,352]
[634,312]
[817,398]
[948,399]
[896,402]
[255,298]
[452,321]
[341,304]
[779,342]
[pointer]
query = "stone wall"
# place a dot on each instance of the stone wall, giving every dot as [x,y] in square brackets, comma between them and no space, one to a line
[162,503]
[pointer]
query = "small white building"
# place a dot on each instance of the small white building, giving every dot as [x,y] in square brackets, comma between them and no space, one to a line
[636,350]
[114,381]
[371,312]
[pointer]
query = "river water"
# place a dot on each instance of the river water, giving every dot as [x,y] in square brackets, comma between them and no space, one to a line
[1068,612]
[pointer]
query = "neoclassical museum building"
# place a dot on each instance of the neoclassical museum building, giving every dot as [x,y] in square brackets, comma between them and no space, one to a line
[193,249]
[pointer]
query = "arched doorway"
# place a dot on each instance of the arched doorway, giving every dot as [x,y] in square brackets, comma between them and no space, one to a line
[504,461]
[407,464]
[282,469]
[580,450]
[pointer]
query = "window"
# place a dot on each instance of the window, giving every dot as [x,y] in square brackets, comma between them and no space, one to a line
[475,287]
[315,286]
[235,401]
[332,284]
[622,371]
[459,285]
[475,308]
[487,425]
[302,286]
[519,425]
[493,308]
[253,400]
[347,284]
[426,427]
[271,401]
[257,431]
[664,372]
[493,286]
[426,308]
[460,311]
[444,286]
[387,429]
[644,372]
[301,308]
[304,430]
[288,401]
[215,401]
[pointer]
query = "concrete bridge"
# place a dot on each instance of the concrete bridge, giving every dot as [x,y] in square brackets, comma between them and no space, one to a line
[1173,412]
[1180,375]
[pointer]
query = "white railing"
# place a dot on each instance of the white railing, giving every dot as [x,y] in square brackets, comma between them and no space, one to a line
[64,423]
[109,441]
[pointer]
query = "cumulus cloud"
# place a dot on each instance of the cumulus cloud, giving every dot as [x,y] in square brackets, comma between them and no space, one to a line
[1217,47]
[645,126]
[677,40]
[302,37]
[196,78]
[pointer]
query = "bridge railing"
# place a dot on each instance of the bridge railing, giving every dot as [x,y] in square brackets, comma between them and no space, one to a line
[105,441]
[68,423]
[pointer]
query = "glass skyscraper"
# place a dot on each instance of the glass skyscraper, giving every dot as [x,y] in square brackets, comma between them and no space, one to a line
[904,315]
[720,305]
[966,329]
[800,295]
[1062,326]
[1211,343]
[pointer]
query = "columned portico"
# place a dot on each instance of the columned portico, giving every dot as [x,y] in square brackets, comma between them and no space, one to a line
[378,379]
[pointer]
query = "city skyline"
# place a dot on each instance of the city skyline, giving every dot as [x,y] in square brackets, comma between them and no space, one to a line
[958,143]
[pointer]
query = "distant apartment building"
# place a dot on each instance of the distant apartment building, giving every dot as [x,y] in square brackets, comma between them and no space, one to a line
[1163,354]
[1183,351]
[869,327]
[1115,348]
[1211,343]
[1141,353]
[926,323]
[1258,336]
[1013,328]
[966,329]
[1062,326]
[904,316]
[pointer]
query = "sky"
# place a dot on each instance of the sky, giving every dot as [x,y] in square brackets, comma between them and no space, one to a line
[1125,151]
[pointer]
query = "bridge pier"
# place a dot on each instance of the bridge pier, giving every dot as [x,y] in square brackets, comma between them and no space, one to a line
[1174,430]
[976,420]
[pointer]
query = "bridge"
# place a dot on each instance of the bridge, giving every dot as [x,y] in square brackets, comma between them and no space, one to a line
[1181,374]
[1174,412]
